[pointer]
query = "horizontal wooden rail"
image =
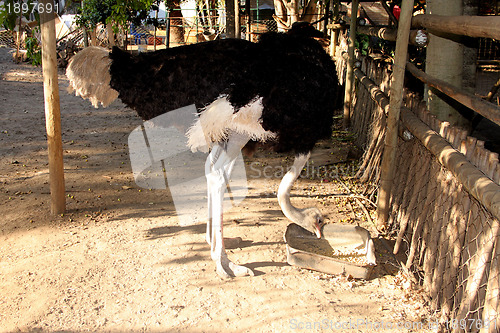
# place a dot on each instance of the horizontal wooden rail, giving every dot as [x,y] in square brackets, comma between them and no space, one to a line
[472,26]
[417,37]
[475,181]
[376,94]
[479,105]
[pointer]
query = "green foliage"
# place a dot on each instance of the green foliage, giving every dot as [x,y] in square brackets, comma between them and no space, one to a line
[126,11]
[362,43]
[95,12]
[8,16]
[33,51]
[120,12]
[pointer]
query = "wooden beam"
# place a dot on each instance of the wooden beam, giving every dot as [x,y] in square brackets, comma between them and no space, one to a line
[472,26]
[334,35]
[417,37]
[349,80]
[396,93]
[52,110]
[375,92]
[479,105]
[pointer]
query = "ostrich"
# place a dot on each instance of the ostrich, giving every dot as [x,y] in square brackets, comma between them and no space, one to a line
[281,90]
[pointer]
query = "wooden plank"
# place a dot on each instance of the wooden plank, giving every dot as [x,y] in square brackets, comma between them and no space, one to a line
[52,111]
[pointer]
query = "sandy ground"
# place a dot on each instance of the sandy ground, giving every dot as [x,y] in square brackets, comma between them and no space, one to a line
[118,260]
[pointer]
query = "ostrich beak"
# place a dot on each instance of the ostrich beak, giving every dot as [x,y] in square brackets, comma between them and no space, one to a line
[317,229]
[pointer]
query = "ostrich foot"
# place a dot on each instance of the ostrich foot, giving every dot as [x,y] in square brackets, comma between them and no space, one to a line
[226,269]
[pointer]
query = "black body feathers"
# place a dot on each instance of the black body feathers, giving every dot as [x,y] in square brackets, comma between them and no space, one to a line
[293,74]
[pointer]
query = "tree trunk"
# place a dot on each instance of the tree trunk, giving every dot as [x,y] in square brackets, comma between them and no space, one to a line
[288,12]
[93,37]
[444,61]
[176,24]
[111,35]
[230,21]
[470,52]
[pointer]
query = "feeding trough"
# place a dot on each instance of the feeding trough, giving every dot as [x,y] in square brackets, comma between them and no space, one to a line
[344,249]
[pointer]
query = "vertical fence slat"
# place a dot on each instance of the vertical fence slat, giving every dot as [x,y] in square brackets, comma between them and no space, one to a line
[481,263]
[431,253]
[459,224]
[349,83]
[491,310]
[396,93]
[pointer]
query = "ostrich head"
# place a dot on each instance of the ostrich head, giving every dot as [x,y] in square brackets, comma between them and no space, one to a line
[304,29]
[311,220]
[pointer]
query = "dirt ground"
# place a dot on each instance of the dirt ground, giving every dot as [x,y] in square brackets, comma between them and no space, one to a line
[118,260]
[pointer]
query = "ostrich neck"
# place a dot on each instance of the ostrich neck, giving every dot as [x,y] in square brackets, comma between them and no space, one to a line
[294,214]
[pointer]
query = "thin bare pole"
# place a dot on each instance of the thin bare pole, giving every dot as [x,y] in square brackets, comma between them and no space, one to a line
[396,93]
[52,109]
[349,80]
[237,19]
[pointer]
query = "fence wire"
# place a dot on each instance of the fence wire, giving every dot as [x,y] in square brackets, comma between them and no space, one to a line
[451,242]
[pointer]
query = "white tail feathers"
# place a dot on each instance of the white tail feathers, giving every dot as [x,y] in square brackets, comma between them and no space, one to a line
[88,74]
[219,119]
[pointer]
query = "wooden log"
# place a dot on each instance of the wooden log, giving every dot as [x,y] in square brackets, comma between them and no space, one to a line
[375,92]
[391,138]
[349,84]
[417,37]
[52,111]
[472,26]
[479,105]
[493,91]
[492,165]
[479,185]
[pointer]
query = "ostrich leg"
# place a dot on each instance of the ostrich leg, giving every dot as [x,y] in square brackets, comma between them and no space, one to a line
[218,170]
[308,218]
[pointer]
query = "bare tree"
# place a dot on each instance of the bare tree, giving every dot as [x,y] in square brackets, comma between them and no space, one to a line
[290,11]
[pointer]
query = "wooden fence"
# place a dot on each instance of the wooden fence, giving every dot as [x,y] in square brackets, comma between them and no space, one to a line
[444,219]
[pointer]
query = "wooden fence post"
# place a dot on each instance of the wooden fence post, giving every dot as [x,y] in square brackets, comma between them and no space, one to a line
[396,93]
[334,37]
[349,79]
[52,109]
